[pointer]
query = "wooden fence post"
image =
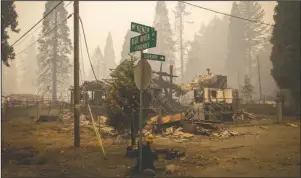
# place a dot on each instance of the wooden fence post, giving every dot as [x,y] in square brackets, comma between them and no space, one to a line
[279,108]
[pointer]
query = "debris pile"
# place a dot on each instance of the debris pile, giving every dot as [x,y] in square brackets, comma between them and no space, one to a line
[292,125]
[215,131]
[107,130]
[177,133]
[246,116]
[67,116]
[171,169]
[205,129]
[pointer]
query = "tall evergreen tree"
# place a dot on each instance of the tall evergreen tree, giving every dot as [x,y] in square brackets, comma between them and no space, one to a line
[29,69]
[194,56]
[285,55]
[180,13]
[235,61]
[245,39]
[254,34]
[98,64]
[109,56]
[215,45]
[126,46]
[268,84]
[54,48]
[208,49]
[8,21]
[165,43]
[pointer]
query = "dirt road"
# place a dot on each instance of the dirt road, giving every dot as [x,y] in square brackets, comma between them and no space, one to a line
[45,149]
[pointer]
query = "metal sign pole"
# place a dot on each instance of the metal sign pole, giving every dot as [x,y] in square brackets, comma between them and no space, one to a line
[141,115]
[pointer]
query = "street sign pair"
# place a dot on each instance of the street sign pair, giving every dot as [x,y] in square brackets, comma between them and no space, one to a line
[147,39]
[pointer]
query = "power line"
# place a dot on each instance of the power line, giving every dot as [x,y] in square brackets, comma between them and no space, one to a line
[241,18]
[81,22]
[45,34]
[81,52]
[37,28]
[38,22]
[82,71]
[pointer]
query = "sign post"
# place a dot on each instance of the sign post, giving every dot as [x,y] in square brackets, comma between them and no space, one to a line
[141,116]
[142,71]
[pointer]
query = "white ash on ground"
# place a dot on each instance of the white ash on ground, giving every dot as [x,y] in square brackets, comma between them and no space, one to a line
[86,121]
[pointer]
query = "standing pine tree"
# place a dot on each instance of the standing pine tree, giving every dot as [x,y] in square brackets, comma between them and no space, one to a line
[98,64]
[235,61]
[165,43]
[215,42]
[285,55]
[180,13]
[247,89]
[126,46]
[254,34]
[54,48]
[29,70]
[194,57]
[8,20]
[109,56]
[268,84]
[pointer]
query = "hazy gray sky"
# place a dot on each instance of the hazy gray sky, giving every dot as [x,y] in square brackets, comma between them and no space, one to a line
[100,18]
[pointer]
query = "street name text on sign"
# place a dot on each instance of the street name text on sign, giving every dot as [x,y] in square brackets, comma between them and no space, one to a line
[144,41]
[154,57]
[142,29]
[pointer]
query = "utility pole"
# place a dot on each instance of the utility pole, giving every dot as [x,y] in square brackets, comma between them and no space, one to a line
[259,78]
[76,74]
[54,70]
[238,83]
[181,46]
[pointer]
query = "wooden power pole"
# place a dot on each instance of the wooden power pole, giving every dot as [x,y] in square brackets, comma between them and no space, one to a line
[76,75]
[54,64]
[259,78]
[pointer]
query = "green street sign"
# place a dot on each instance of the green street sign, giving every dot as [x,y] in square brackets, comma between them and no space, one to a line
[154,57]
[145,41]
[139,28]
